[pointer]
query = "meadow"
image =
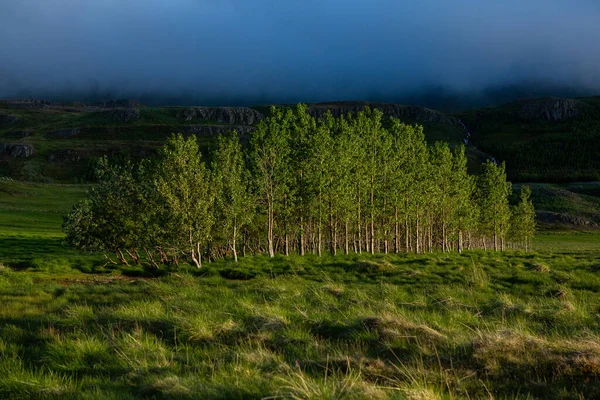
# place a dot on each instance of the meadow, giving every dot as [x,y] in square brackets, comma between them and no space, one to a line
[435,326]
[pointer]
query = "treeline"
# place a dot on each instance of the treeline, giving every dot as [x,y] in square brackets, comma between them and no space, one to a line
[301,186]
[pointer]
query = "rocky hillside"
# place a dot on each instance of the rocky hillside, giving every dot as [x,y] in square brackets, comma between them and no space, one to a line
[548,139]
[41,140]
[402,112]
[550,109]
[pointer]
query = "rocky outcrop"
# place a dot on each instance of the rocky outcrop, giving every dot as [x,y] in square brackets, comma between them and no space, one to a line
[222,115]
[123,115]
[65,133]
[118,103]
[20,133]
[17,150]
[210,130]
[549,109]
[421,114]
[8,119]
[65,155]
[33,104]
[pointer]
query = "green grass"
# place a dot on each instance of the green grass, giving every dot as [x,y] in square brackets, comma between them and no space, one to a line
[437,326]
[30,225]
[579,203]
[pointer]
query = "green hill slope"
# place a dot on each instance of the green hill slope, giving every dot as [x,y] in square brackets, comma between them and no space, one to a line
[41,141]
[541,140]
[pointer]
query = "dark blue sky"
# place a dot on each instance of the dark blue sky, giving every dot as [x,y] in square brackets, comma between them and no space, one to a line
[288,50]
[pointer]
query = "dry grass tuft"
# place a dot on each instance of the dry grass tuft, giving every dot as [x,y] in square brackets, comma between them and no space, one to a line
[390,327]
[169,387]
[528,357]
[541,268]
[376,266]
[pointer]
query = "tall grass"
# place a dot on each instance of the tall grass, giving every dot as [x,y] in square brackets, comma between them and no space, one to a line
[477,325]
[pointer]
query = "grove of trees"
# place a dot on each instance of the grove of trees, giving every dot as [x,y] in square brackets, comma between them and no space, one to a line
[300,186]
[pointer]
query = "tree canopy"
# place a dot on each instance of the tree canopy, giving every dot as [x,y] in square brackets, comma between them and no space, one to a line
[355,183]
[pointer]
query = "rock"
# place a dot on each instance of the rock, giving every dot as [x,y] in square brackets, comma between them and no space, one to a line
[389,110]
[17,150]
[27,103]
[549,109]
[210,130]
[222,115]
[64,155]
[8,119]
[65,133]
[21,134]
[118,103]
[123,114]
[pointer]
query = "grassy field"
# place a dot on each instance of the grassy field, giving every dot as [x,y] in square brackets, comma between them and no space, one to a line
[420,327]
[438,326]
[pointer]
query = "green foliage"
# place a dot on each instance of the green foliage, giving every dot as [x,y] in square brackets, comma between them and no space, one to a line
[347,182]
[231,183]
[523,219]
[493,192]
[183,195]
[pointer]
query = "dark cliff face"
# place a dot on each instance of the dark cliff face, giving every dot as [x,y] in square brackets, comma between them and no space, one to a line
[389,110]
[212,130]
[123,115]
[31,104]
[17,150]
[549,109]
[118,103]
[222,115]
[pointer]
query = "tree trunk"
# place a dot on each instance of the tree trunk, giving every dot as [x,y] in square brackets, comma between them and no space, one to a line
[372,232]
[367,240]
[444,244]
[406,234]
[359,232]
[287,242]
[235,257]
[417,243]
[196,256]
[122,257]
[430,237]
[302,235]
[396,232]
[372,214]
[346,244]
[332,242]
[270,231]
[495,240]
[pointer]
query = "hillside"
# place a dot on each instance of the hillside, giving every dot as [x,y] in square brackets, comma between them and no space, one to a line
[541,140]
[43,141]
